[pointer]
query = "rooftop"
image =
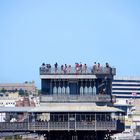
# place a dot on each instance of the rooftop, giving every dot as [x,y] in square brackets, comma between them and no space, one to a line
[79,69]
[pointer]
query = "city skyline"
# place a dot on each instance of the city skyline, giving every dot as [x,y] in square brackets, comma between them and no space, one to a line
[33,32]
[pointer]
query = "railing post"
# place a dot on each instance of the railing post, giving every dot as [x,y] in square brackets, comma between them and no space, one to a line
[115,124]
[75,121]
[95,122]
[68,122]
[48,126]
[28,123]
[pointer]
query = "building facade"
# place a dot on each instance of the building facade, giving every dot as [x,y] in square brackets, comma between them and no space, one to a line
[126,87]
[127,90]
[127,93]
[27,86]
[81,98]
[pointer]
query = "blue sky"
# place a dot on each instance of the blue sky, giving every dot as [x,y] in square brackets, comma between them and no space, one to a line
[67,31]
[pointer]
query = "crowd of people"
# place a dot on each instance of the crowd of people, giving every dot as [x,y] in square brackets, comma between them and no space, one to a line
[79,68]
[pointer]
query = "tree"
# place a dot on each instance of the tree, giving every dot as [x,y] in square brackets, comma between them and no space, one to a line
[3,90]
[21,92]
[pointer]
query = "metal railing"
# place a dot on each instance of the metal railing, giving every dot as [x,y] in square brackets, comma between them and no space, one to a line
[58,126]
[85,125]
[38,126]
[76,98]
[13,126]
[72,70]
[47,126]
[105,125]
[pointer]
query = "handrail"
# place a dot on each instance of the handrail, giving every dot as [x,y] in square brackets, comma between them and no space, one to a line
[73,70]
[80,98]
[68,125]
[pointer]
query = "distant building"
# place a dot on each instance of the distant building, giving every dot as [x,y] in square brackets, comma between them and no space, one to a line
[5,102]
[127,93]
[8,100]
[126,87]
[27,86]
[12,99]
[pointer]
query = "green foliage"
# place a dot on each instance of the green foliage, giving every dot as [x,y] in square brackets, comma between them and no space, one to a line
[3,90]
[21,92]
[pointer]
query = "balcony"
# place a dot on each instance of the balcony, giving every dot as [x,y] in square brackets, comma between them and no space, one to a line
[75,98]
[73,71]
[63,126]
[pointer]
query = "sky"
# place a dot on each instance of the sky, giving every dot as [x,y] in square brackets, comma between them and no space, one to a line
[67,31]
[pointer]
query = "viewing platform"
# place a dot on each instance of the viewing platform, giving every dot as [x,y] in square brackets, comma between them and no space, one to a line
[73,71]
[80,83]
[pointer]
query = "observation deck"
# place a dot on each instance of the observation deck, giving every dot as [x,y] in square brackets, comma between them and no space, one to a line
[76,84]
[72,73]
